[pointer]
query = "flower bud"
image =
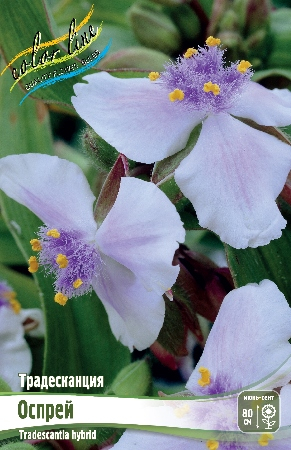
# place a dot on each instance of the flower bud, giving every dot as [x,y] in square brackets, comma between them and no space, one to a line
[187,22]
[135,57]
[218,10]
[205,283]
[102,155]
[258,14]
[242,26]
[256,38]
[230,40]
[229,20]
[281,38]
[153,27]
[257,47]
[133,380]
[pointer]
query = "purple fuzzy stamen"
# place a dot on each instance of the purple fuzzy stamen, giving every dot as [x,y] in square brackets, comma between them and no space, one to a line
[83,261]
[190,74]
[5,289]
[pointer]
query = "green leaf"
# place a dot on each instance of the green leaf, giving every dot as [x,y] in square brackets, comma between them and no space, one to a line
[173,334]
[45,445]
[121,37]
[207,6]
[23,129]
[108,12]
[187,21]
[271,261]
[172,190]
[4,387]
[188,214]
[270,73]
[135,57]
[18,446]
[163,176]
[281,3]
[23,285]
[133,380]
[153,27]
[165,169]
[9,252]
[185,291]
[102,154]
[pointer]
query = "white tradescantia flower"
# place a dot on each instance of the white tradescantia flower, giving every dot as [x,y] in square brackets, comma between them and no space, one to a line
[235,172]
[247,348]
[15,355]
[127,261]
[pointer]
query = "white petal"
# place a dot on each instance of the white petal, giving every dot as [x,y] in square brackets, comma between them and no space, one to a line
[284,95]
[248,340]
[278,378]
[135,315]
[141,232]
[264,106]
[144,440]
[134,115]
[54,189]
[15,356]
[277,444]
[232,177]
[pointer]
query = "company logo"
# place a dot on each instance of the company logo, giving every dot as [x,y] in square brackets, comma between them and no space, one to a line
[51,58]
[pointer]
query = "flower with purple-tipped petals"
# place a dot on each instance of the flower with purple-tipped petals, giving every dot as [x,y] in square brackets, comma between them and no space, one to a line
[235,172]
[15,355]
[247,348]
[127,260]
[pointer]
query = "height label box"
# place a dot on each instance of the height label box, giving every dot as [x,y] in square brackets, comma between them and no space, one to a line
[258,411]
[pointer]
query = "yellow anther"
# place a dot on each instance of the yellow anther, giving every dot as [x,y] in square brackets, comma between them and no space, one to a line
[205,377]
[177,94]
[77,283]
[15,305]
[36,245]
[190,52]
[264,439]
[53,233]
[181,412]
[212,445]
[33,264]
[153,76]
[10,295]
[243,66]
[62,261]
[211,87]
[211,41]
[61,299]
